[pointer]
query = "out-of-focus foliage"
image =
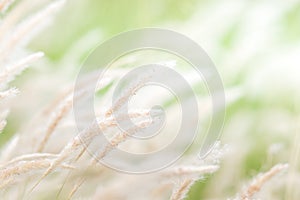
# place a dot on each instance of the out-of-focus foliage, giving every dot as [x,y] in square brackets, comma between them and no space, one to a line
[109,17]
[256,47]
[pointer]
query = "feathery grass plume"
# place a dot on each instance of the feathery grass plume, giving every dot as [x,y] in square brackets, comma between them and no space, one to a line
[20,34]
[3,121]
[189,175]
[10,72]
[24,31]
[61,106]
[181,189]
[25,159]
[75,146]
[29,157]
[60,111]
[12,92]
[189,170]
[76,187]
[17,40]
[119,138]
[54,121]
[292,191]
[24,165]
[120,102]
[74,149]
[260,181]
[144,121]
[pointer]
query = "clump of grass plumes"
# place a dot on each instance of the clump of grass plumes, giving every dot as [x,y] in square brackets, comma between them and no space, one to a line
[48,158]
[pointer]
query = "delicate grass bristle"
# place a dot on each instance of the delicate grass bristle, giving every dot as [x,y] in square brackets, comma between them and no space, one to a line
[258,182]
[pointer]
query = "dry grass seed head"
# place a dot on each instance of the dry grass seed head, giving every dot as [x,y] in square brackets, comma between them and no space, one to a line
[260,180]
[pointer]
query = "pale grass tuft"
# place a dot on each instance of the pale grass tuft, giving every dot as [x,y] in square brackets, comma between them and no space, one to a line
[29,157]
[189,174]
[74,148]
[75,188]
[292,192]
[118,139]
[125,96]
[12,92]
[24,165]
[61,106]
[182,189]
[54,121]
[49,144]
[191,170]
[3,121]
[9,73]
[260,181]
[2,125]
[24,31]
[17,37]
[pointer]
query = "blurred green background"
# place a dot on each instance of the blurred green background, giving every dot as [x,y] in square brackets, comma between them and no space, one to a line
[255,45]
[109,17]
